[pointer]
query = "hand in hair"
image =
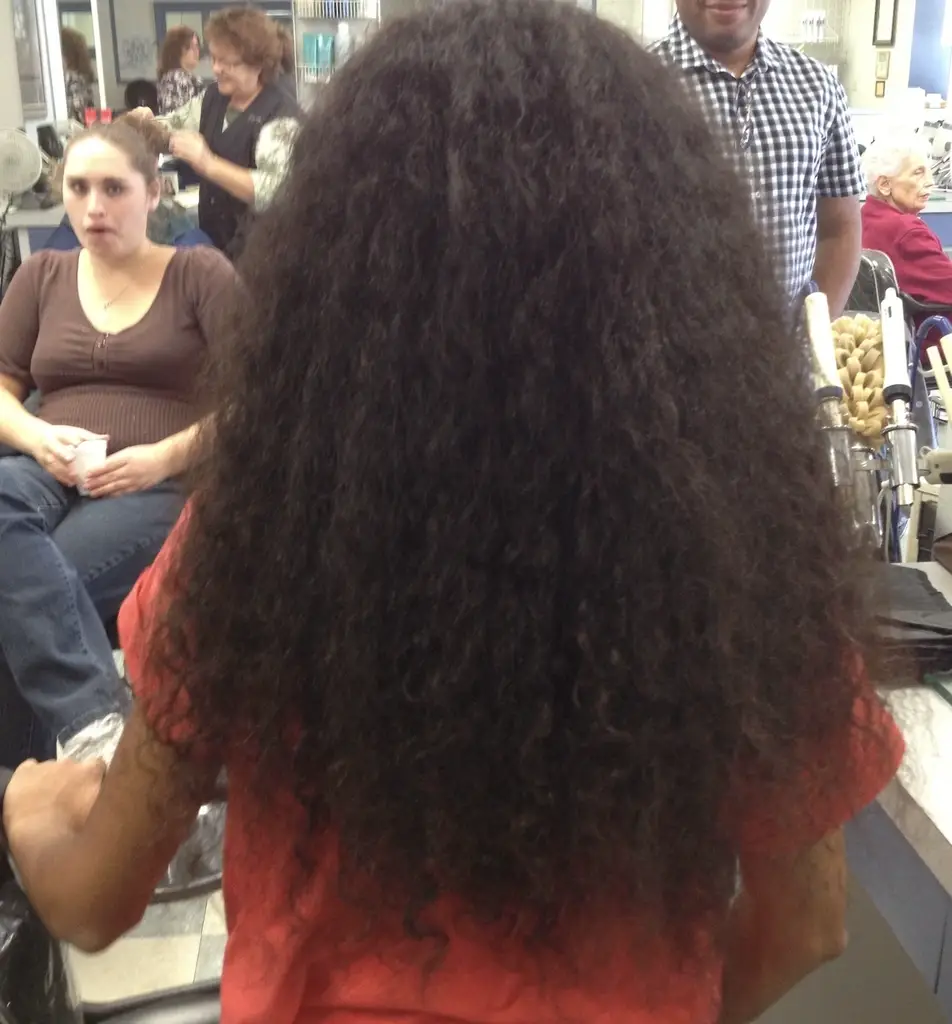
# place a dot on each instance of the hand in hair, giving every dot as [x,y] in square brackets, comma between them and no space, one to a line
[192,148]
[155,134]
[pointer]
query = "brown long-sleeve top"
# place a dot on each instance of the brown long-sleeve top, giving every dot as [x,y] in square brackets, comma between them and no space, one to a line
[137,386]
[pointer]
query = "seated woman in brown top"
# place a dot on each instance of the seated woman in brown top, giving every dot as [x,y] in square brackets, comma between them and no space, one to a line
[114,335]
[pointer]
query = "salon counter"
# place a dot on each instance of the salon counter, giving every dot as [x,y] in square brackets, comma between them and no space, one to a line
[900,849]
[34,227]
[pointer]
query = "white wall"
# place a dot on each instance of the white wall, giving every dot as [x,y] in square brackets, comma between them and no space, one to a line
[47,18]
[646,20]
[106,54]
[625,14]
[859,75]
[11,110]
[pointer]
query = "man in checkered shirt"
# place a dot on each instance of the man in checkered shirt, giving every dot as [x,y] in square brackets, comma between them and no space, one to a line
[789,130]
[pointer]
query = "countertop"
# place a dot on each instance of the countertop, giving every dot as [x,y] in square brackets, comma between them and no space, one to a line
[919,799]
[939,202]
[48,218]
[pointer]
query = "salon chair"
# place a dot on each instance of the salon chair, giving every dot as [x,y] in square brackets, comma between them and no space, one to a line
[875,277]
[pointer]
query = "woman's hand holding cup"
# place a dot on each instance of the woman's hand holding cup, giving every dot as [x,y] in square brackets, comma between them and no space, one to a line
[55,450]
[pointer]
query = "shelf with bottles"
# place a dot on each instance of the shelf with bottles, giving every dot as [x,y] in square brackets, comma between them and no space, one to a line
[801,42]
[311,74]
[336,10]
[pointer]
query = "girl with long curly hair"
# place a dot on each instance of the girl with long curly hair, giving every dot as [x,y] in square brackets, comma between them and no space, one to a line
[513,592]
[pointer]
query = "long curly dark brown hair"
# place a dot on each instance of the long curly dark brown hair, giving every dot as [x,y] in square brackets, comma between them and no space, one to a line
[515,548]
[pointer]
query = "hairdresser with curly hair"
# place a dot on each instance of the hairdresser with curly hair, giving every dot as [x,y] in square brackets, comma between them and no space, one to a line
[510,657]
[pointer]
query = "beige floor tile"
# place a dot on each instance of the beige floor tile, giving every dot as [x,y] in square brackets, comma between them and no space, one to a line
[215,916]
[211,956]
[135,966]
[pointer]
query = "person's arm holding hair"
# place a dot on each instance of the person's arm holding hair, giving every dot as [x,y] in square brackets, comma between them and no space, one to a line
[257,186]
[839,214]
[186,118]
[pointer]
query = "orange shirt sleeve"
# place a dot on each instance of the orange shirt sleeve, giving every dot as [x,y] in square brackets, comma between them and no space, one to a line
[164,702]
[778,820]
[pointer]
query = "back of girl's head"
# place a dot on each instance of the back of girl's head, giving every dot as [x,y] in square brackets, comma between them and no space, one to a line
[141,142]
[142,93]
[516,521]
[176,41]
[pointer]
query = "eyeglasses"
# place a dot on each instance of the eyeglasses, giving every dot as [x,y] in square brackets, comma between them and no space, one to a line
[744,103]
[226,65]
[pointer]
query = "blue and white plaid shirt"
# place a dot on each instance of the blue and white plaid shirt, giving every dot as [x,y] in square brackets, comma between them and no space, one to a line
[789,132]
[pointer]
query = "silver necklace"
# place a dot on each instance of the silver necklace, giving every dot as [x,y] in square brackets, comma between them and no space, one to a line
[117,296]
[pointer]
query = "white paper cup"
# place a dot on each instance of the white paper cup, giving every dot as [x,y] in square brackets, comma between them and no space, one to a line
[88,455]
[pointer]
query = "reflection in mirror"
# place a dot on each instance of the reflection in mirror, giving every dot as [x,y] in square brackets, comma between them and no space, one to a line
[179,56]
[26,38]
[78,43]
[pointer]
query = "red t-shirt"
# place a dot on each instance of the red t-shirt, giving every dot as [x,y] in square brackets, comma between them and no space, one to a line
[922,268]
[295,961]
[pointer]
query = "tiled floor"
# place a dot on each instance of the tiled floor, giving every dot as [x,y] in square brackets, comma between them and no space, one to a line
[174,945]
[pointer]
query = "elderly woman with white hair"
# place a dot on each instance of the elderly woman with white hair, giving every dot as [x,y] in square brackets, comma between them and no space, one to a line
[899,178]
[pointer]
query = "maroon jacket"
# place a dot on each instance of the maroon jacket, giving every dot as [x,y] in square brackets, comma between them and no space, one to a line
[922,269]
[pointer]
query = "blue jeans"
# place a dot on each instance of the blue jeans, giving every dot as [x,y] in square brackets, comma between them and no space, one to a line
[66,564]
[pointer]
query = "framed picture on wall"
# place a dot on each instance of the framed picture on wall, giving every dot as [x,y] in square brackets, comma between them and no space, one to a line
[884,22]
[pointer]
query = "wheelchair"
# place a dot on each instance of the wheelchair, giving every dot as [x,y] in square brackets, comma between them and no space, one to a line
[875,277]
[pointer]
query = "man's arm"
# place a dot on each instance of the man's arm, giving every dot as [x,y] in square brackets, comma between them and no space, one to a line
[840,183]
[839,245]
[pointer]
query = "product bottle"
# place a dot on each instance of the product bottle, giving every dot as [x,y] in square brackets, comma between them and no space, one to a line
[343,43]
